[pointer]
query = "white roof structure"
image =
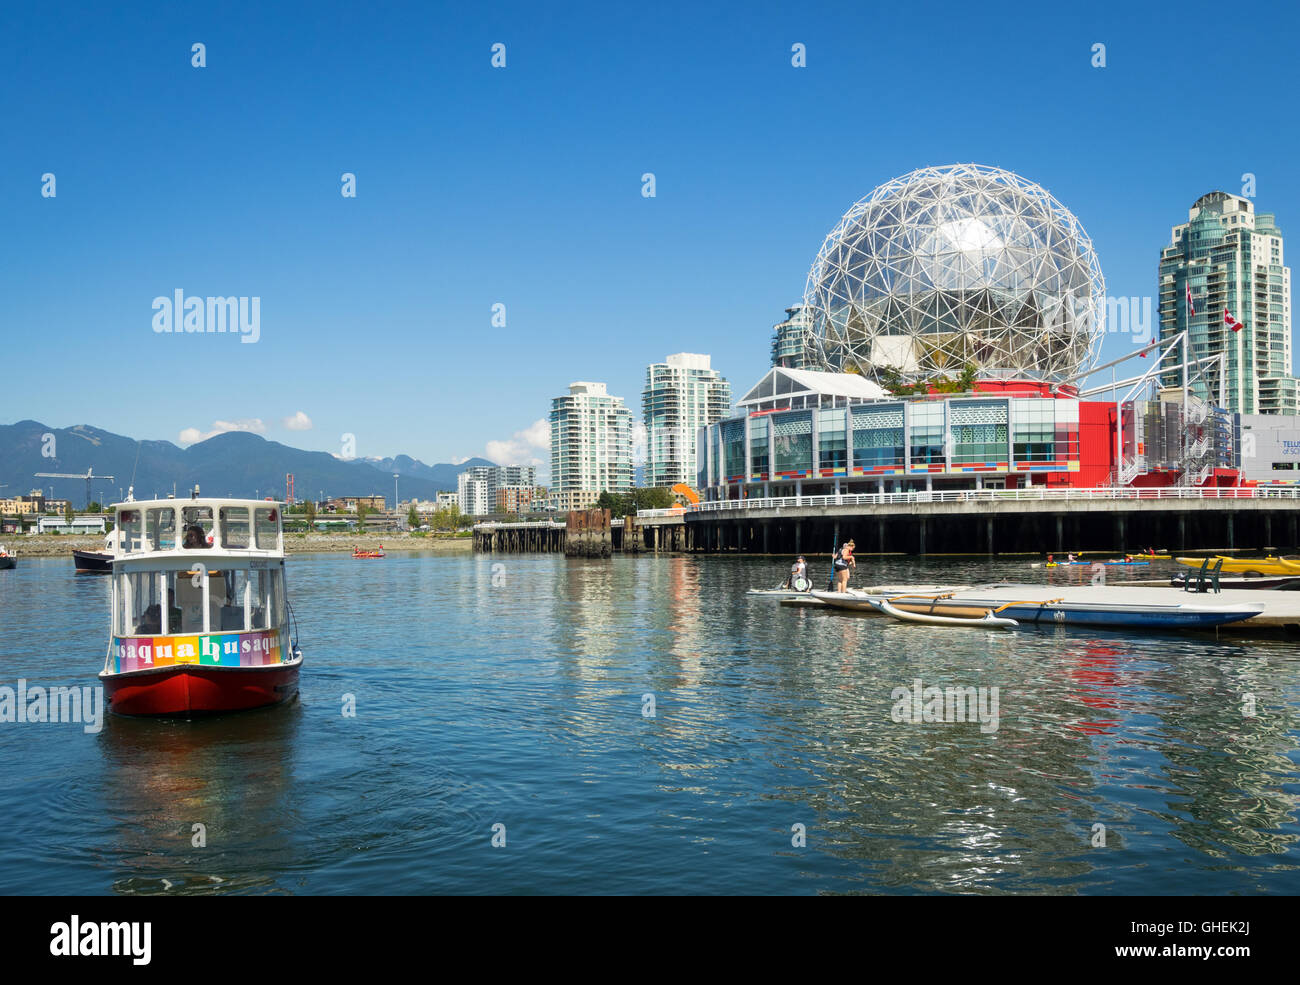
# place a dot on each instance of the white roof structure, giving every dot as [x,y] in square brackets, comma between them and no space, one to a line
[808,388]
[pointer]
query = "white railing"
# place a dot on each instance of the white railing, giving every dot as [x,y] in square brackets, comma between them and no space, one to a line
[1129,469]
[1034,494]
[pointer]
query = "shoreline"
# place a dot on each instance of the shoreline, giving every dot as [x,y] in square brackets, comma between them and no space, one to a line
[61,545]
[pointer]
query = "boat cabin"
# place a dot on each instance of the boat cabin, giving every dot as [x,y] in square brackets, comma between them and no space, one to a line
[184,570]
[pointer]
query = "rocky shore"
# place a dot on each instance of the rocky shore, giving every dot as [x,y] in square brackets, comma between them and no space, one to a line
[58,545]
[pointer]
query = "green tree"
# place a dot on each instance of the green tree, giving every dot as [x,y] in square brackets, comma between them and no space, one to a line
[362,511]
[309,510]
[653,498]
[67,514]
[412,517]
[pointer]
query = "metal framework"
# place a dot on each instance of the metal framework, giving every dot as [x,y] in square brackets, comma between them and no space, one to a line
[954,265]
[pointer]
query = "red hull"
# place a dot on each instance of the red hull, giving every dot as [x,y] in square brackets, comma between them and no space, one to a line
[190,689]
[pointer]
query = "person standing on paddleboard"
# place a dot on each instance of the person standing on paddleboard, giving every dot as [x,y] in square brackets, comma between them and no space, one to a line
[842,564]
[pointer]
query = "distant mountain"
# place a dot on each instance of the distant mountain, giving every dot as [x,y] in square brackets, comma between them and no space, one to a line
[236,463]
[444,476]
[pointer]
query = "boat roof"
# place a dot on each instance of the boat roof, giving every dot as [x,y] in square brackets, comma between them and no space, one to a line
[246,539]
[214,501]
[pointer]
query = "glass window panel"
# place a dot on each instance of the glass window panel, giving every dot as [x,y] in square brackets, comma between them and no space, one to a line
[234,527]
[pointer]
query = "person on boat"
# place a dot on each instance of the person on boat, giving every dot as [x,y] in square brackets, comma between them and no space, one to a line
[797,570]
[195,539]
[1128,558]
[1051,559]
[842,564]
[150,622]
[1071,559]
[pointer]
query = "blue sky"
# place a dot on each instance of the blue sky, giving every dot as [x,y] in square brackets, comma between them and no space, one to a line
[522,186]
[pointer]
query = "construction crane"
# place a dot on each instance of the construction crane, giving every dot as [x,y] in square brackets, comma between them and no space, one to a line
[90,474]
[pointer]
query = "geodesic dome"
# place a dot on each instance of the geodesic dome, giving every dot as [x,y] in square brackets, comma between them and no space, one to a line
[954,265]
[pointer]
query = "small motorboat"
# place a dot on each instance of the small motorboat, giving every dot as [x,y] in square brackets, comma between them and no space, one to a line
[97,562]
[359,553]
[1252,567]
[7,559]
[986,621]
[199,622]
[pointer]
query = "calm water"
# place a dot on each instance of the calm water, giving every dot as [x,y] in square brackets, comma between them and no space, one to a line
[521,705]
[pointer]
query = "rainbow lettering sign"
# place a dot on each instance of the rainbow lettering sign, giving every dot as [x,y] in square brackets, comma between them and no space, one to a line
[261,649]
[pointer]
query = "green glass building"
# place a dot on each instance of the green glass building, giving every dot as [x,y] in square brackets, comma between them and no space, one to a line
[1232,259]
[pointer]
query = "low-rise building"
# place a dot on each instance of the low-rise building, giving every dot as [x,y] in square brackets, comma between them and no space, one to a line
[349,504]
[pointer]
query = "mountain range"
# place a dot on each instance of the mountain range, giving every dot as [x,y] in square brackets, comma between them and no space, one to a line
[235,463]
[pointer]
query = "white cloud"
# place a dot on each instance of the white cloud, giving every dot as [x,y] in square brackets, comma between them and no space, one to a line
[461,460]
[253,424]
[526,447]
[298,422]
[190,436]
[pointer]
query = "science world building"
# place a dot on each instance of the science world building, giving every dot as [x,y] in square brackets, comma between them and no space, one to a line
[954,266]
[947,321]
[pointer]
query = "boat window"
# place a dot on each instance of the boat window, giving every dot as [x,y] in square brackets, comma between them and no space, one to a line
[130,524]
[229,603]
[264,599]
[160,529]
[197,523]
[140,605]
[186,589]
[268,529]
[234,527]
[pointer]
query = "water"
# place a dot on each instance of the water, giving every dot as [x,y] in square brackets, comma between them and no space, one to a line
[521,705]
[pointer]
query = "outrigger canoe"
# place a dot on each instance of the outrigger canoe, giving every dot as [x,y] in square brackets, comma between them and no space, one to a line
[1247,565]
[986,621]
[1084,605]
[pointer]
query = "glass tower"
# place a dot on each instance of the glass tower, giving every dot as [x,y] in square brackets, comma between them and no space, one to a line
[1232,259]
[681,395]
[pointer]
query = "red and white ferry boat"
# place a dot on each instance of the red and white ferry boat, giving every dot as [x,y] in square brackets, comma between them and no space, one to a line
[200,621]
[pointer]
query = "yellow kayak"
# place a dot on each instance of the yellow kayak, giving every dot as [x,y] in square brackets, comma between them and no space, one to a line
[1248,565]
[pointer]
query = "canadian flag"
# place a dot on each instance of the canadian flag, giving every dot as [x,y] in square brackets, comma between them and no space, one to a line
[1231,322]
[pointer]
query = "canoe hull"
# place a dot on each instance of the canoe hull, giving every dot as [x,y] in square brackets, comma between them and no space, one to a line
[189,689]
[1242,566]
[1190,615]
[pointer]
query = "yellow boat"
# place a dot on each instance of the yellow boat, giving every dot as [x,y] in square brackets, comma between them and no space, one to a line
[1247,565]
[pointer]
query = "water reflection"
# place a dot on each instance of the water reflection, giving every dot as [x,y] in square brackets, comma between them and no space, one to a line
[231,775]
[515,694]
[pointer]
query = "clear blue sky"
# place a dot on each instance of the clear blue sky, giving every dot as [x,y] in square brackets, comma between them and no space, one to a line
[522,186]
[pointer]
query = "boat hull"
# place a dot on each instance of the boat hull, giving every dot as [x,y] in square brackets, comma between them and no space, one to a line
[92,562]
[7,562]
[1247,566]
[191,689]
[1121,615]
